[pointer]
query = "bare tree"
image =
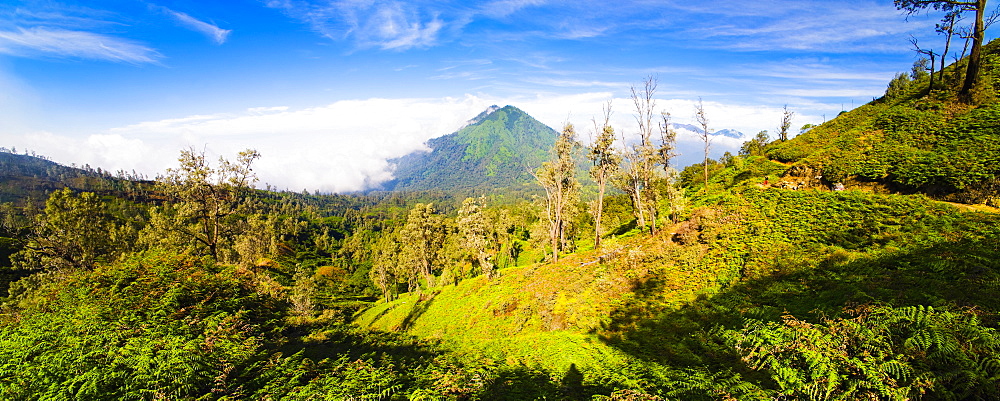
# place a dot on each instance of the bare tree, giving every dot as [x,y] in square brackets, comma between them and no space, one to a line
[638,160]
[978,7]
[947,27]
[929,53]
[706,138]
[646,153]
[786,123]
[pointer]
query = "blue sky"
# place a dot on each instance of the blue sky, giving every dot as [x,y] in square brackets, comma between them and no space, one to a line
[328,91]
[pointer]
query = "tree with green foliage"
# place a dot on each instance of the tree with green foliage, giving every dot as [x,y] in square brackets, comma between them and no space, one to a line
[919,69]
[557,178]
[755,146]
[666,151]
[259,240]
[606,161]
[74,231]
[477,235]
[952,8]
[421,239]
[897,86]
[385,271]
[205,201]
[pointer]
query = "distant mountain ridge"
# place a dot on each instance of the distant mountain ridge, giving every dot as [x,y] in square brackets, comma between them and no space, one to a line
[24,176]
[494,150]
[723,132]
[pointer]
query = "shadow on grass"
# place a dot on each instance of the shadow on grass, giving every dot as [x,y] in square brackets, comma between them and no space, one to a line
[945,274]
[418,310]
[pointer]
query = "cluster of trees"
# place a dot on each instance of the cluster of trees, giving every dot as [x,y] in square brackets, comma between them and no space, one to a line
[641,170]
[932,63]
[204,209]
[431,248]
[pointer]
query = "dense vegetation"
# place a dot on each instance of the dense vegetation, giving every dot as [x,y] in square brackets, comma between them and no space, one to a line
[702,284]
[913,139]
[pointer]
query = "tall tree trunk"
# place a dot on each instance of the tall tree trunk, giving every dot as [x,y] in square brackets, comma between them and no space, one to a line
[975,56]
[947,47]
[637,202]
[930,86]
[557,222]
[600,210]
[705,162]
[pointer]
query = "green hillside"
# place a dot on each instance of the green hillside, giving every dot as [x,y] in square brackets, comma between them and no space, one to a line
[912,141]
[765,292]
[672,315]
[25,176]
[755,281]
[495,151]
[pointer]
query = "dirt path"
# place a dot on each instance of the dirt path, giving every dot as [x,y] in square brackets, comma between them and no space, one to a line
[973,208]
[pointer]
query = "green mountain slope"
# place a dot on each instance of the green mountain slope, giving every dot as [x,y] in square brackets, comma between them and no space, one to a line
[494,151]
[672,315]
[912,141]
[25,177]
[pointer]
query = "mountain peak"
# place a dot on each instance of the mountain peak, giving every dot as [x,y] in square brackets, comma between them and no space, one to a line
[490,151]
[481,116]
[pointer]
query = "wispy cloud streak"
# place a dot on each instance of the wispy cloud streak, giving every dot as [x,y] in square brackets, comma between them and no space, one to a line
[218,35]
[385,24]
[39,41]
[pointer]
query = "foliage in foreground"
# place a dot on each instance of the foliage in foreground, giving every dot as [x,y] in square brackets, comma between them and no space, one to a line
[163,326]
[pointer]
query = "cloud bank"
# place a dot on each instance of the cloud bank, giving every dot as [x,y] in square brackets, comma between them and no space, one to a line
[346,146]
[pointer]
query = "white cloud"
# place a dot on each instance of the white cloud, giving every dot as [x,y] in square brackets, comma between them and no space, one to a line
[387,24]
[347,145]
[40,41]
[797,25]
[266,110]
[218,35]
[344,146]
[393,27]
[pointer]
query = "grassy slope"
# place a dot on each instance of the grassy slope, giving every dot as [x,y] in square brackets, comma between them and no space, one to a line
[540,314]
[656,314]
[914,142]
[661,314]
